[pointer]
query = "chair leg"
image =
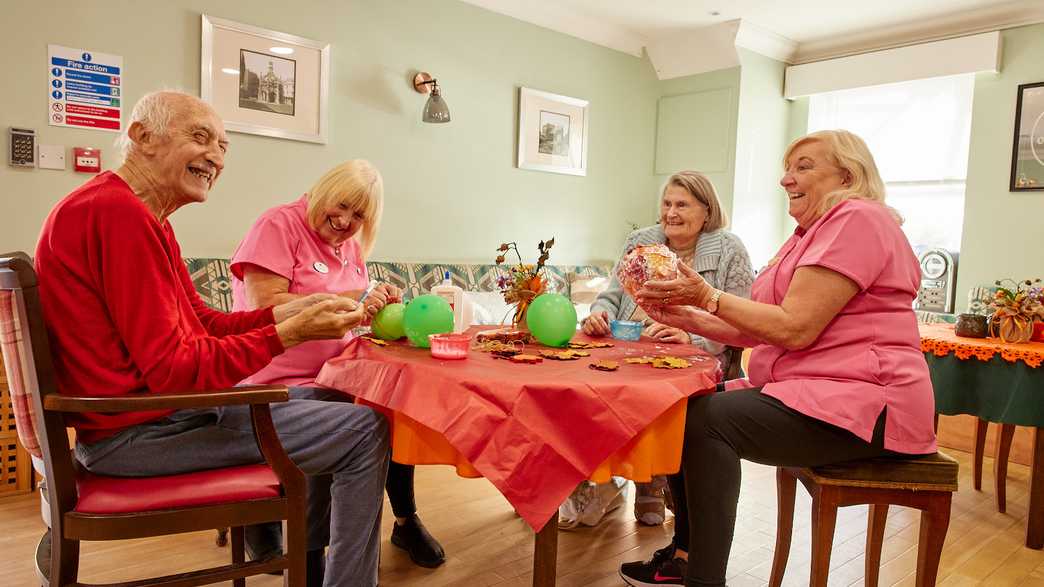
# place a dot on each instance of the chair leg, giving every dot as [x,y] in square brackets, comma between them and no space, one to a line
[980,446]
[296,547]
[65,559]
[824,519]
[238,553]
[875,528]
[786,485]
[1000,465]
[935,520]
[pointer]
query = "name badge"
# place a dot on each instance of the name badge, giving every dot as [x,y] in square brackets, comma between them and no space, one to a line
[320,267]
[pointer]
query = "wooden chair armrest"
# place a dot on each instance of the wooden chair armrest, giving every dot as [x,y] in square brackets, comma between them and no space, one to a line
[233,396]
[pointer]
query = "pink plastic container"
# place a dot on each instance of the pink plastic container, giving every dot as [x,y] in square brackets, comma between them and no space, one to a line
[450,346]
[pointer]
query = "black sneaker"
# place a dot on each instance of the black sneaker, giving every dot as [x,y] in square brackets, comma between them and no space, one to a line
[422,547]
[662,569]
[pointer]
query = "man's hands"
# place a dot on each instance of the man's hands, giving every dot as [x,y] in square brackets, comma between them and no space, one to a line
[380,296]
[292,308]
[325,318]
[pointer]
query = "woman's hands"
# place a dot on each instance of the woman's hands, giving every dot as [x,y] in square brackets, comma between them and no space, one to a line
[663,333]
[688,289]
[329,318]
[597,324]
[380,296]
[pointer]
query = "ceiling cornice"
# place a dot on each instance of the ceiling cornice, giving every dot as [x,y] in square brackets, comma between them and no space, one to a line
[562,18]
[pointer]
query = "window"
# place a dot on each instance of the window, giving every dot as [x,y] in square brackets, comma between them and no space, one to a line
[919,133]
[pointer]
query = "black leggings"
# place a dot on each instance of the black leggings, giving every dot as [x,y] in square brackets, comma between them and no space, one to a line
[721,429]
[400,490]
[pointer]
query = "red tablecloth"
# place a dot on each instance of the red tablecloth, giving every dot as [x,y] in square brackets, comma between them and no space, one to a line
[534,431]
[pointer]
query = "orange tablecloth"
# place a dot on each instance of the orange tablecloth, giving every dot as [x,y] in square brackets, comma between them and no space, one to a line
[534,431]
[940,340]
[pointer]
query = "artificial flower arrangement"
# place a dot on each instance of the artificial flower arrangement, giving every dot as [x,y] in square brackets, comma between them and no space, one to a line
[1015,309]
[523,282]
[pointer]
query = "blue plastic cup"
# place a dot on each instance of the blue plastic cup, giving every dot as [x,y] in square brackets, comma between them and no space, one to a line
[625,329]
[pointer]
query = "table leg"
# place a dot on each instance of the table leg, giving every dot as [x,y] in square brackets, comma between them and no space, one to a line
[1035,518]
[545,554]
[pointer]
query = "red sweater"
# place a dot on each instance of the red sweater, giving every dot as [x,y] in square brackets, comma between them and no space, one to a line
[123,315]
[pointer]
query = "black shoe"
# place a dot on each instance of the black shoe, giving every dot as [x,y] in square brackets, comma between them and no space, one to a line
[662,569]
[422,547]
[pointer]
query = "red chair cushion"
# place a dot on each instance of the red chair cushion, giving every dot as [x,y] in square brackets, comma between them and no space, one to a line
[120,495]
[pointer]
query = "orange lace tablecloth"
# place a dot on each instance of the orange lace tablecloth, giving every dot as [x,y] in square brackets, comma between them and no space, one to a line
[940,340]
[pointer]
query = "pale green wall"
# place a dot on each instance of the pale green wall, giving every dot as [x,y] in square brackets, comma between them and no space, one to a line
[725,80]
[797,126]
[758,199]
[1002,229]
[453,191]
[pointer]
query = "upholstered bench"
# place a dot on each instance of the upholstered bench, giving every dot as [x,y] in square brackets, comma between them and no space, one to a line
[211,277]
[926,483]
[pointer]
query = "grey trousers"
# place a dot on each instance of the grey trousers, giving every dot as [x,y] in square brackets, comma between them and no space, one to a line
[721,429]
[343,448]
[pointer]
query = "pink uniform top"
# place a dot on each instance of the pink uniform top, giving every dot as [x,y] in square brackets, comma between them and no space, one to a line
[869,357]
[282,241]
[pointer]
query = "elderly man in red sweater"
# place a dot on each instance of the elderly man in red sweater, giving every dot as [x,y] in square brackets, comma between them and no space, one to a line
[125,318]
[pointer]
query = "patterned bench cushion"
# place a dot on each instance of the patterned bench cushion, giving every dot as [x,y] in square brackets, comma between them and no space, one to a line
[211,277]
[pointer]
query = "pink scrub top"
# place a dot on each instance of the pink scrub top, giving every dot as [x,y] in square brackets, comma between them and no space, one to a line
[282,241]
[869,357]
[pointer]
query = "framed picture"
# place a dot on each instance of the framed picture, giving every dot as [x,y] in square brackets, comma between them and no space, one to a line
[552,132]
[1027,155]
[265,82]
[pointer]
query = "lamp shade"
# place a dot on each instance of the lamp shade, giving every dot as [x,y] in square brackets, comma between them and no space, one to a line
[435,110]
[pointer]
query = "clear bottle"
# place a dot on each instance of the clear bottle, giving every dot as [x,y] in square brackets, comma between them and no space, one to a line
[455,296]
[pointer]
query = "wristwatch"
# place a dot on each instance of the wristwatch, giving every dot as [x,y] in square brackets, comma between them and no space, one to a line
[712,303]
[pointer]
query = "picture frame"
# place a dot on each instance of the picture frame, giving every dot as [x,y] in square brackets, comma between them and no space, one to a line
[265,82]
[1027,152]
[552,132]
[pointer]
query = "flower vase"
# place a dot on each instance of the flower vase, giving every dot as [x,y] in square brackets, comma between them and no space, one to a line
[1012,328]
[518,319]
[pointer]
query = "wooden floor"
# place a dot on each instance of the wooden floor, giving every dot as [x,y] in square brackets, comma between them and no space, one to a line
[487,544]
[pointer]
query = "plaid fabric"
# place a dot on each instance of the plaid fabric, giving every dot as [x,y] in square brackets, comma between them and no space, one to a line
[212,281]
[17,359]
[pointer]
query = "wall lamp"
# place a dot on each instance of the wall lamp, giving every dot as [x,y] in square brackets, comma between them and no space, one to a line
[435,110]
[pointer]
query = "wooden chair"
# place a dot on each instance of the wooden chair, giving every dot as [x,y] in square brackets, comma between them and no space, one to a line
[926,483]
[84,506]
[1000,461]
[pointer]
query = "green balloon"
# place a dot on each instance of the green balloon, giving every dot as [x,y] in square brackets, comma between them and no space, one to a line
[427,314]
[388,323]
[552,319]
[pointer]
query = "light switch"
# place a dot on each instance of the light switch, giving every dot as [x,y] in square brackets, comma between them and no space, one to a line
[52,157]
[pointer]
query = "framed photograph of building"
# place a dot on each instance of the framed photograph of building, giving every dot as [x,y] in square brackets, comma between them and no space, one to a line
[552,132]
[265,82]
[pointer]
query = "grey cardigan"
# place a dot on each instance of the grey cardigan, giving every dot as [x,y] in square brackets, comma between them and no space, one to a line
[720,258]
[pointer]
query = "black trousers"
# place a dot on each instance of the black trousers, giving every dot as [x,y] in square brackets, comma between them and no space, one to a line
[721,429]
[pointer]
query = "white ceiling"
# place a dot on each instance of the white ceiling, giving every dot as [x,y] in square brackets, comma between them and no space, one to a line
[799,30]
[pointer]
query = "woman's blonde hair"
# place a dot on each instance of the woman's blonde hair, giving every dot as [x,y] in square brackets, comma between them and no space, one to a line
[702,189]
[358,185]
[850,153]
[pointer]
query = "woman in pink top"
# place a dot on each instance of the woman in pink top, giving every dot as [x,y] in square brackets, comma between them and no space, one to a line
[836,372]
[319,243]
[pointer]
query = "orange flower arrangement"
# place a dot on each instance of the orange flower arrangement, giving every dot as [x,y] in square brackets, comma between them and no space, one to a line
[523,282]
[1015,309]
